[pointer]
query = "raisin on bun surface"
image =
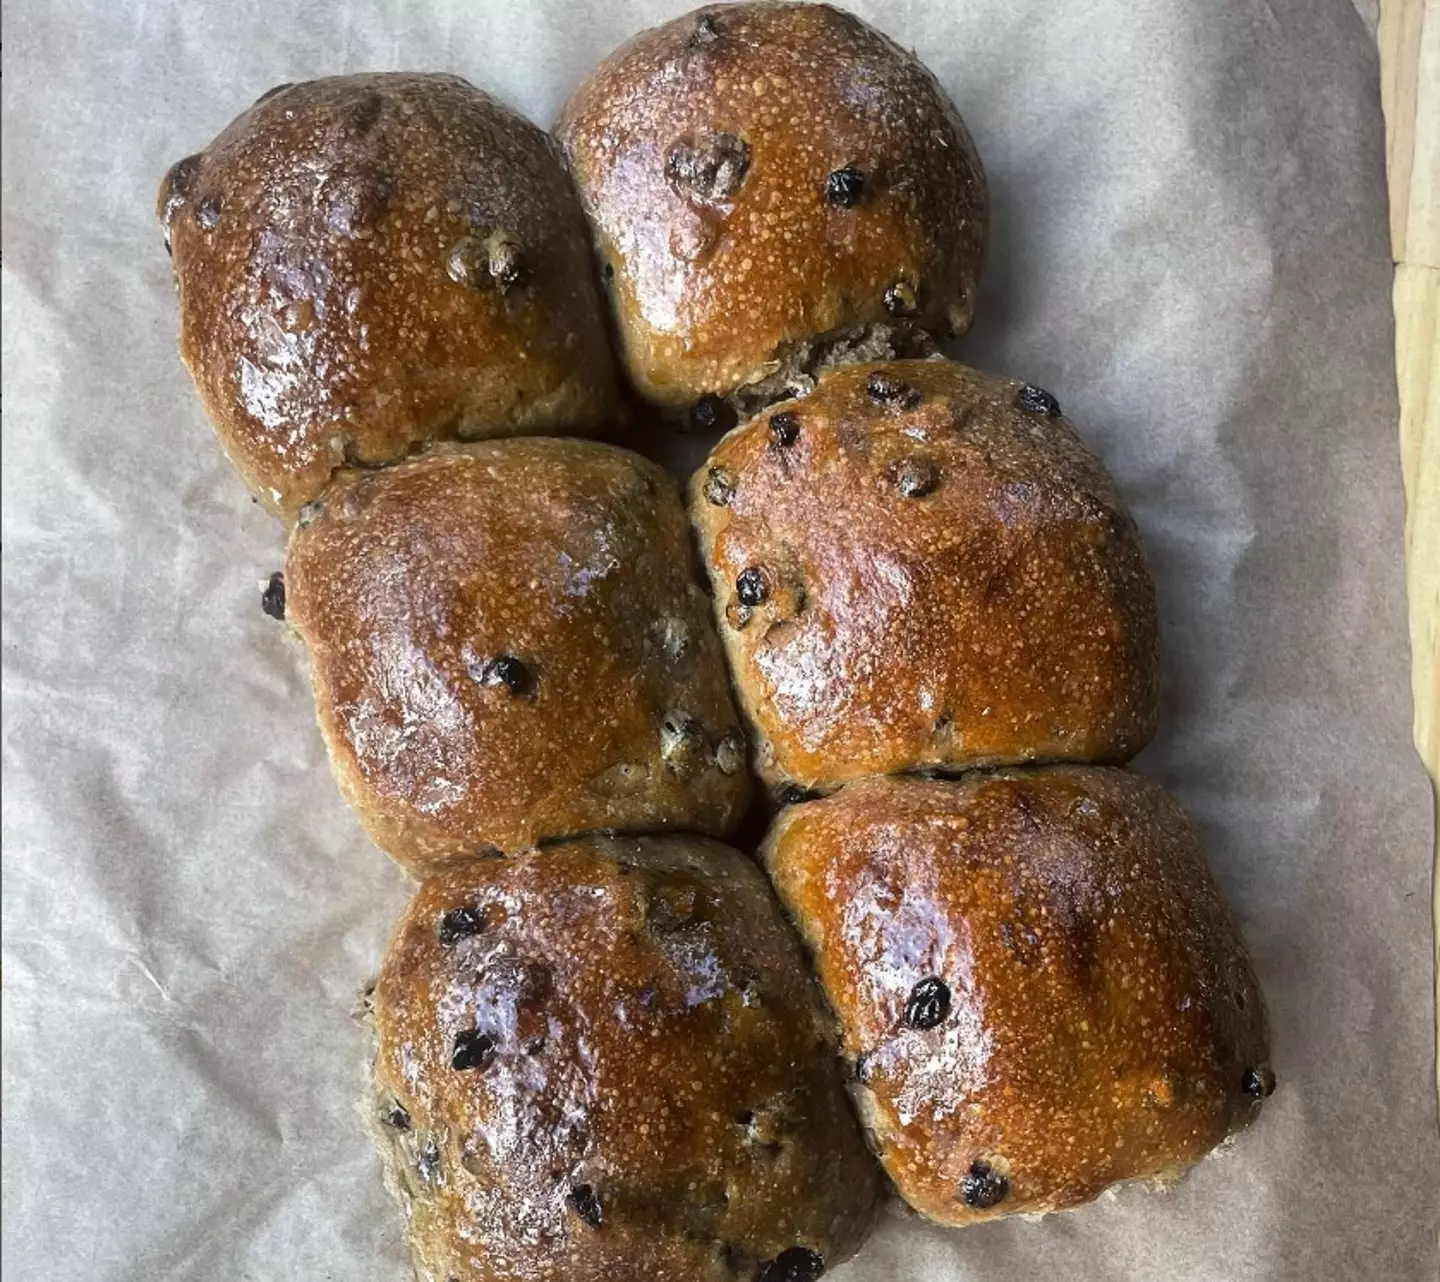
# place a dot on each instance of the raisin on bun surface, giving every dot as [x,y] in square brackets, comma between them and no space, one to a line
[773,187]
[369,262]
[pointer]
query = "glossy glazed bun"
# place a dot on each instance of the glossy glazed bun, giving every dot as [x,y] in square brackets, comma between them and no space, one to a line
[509,642]
[607,1061]
[773,187]
[920,566]
[366,263]
[1040,990]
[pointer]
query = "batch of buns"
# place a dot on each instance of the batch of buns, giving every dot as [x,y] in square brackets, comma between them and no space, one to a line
[607,1047]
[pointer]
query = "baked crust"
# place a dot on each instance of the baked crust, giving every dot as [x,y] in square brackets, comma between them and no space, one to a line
[509,642]
[1099,1019]
[761,175]
[656,1094]
[366,263]
[912,570]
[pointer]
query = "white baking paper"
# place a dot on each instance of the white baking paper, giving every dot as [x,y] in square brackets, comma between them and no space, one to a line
[1189,250]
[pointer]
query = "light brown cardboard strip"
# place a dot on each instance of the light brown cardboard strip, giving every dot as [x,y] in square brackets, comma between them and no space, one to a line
[1409,38]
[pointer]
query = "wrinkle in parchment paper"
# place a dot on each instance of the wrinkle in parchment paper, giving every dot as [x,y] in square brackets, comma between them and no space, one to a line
[1189,250]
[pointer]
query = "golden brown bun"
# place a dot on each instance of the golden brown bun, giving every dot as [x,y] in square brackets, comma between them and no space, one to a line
[369,262]
[647,1084]
[1040,991]
[704,152]
[948,580]
[508,642]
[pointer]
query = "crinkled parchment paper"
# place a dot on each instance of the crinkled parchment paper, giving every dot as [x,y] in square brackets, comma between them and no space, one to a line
[1189,250]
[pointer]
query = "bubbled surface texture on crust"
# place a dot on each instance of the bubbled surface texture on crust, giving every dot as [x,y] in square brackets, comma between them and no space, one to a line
[508,642]
[368,262]
[947,580]
[1099,1013]
[703,151]
[657,1094]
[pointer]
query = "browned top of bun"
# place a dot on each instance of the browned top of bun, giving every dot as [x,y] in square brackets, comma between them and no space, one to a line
[703,151]
[367,262]
[1039,986]
[647,1084]
[948,580]
[508,642]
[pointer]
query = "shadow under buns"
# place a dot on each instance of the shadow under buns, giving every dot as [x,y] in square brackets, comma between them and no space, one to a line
[921,566]
[606,1061]
[509,642]
[773,187]
[369,262]
[1040,990]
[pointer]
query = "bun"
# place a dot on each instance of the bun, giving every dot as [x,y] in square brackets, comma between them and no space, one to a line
[921,567]
[1040,991]
[366,263]
[773,188]
[508,642]
[607,1061]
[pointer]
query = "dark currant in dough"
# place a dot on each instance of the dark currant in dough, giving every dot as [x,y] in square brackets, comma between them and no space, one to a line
[785,429]
[792,794]
[711,414]
[711,170]
[473,1049]
[1258,1083]
[798,1264]
[915,477]
[706,32]
[719,487]
[507,264]
[844,187]
[1036,400]
[506,670]
[983,1186]
[427,1165]
[929,1003]
[891,392]
[751,587]
[587,1205]
[458,924]
[272,598]
[901,300]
